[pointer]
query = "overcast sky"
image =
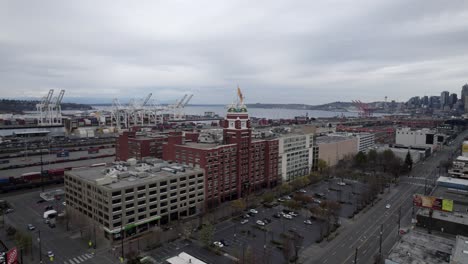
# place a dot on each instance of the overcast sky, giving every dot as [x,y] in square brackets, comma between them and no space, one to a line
[277,51]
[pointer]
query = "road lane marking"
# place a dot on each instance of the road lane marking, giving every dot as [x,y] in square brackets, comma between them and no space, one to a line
[77,261]
[79,257]
[71,261]
[334,253]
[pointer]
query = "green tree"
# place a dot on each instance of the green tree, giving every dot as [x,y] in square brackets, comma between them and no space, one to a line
[409,161]
[322,165]
[239,205]
[395,167]
[206,234]
[292,204]
[360,160]
[387,158]
[285,188]
[372,157]
[268,197]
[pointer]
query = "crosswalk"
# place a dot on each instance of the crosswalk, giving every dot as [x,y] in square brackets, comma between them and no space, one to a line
[78,259]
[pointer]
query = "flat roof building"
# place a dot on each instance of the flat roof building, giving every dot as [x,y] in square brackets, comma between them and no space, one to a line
[331,149]
[135,197]
[460,251]
[296,155]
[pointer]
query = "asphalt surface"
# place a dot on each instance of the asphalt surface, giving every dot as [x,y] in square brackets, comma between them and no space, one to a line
[243,238]
[67,246]
[363,233]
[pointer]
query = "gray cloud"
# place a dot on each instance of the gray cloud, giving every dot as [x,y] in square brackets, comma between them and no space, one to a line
[277,51]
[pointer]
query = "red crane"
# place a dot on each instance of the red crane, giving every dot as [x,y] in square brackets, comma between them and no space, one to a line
[364,109]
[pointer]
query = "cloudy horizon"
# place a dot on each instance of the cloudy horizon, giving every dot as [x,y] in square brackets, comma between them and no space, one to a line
[306,52]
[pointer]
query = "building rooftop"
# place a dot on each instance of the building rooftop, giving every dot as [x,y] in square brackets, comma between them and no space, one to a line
[460,251]
[127,174]
[202,145]
[459,197]
[462,158]
[421,248]
[331,139]
[458,181]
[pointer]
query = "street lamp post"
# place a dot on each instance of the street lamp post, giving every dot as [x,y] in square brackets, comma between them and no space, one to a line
[40,245]
[380,243]
[399,219]
[355,256]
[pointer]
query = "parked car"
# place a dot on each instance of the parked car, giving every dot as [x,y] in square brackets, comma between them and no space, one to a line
[260,223]
[277,215]
[9,210]
[51,225]
[301,191]
[246,216]
[244,221]
[341,183]
[320,195]
[50,254]
[387,206]
[267,220]
[317,201]
[218,244]
[287,216]
[253,211]
[31,227]
[307,222]
[281,200]
[293,214]
[40,201]
[224,243]
[287,197]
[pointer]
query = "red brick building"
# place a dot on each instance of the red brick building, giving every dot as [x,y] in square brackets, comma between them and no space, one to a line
[131,145]
[233,168]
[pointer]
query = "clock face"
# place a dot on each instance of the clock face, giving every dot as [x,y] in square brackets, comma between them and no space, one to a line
[231,124]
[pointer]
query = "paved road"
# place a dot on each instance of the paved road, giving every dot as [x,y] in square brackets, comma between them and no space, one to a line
[364,233]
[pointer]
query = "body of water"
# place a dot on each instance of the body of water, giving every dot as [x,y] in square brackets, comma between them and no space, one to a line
[269,113]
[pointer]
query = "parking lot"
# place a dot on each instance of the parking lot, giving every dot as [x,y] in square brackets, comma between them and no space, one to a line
[67,246]
[263,243]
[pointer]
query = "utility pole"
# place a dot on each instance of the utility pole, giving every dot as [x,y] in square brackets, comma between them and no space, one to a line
[399,219]
[425,186]
[42,174]
[122,236]
[40,245]
[355,256]
[95,239]
[381,233]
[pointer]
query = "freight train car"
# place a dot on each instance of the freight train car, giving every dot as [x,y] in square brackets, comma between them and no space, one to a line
[32,179]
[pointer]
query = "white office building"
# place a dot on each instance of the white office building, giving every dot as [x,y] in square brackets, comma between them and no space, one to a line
[418,138]
[295,155]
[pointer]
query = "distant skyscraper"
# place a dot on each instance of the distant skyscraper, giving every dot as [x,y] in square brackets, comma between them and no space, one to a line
[453,99]
[425,100]
[444,99]
[434,102]
[464,94]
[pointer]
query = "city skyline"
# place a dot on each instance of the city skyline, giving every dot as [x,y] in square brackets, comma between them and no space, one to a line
[277,52]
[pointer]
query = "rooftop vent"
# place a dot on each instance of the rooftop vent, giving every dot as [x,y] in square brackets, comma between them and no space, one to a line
[169,170]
